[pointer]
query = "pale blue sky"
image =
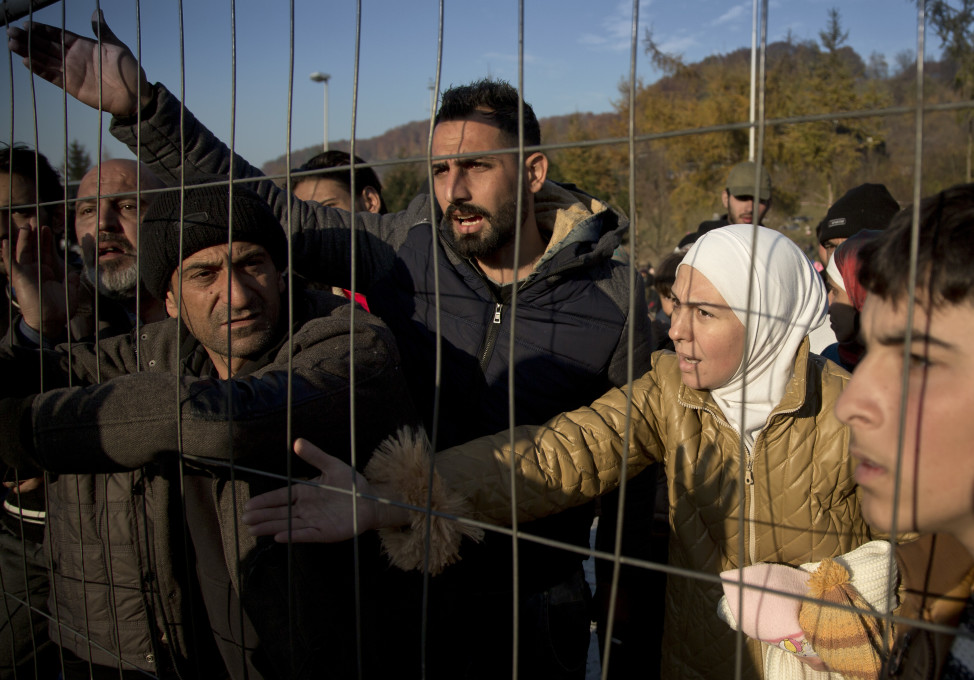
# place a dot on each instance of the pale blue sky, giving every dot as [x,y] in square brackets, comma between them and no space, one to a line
[576,52]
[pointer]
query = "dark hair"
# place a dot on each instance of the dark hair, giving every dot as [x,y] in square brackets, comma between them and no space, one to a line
[336,165]
[666,273]
[23,161]
[946,249]
[495,100]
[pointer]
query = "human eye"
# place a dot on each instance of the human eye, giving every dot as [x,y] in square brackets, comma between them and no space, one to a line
[920,360]
[201,276]
[128,206]
[22,215]
[439,169]
[704,313]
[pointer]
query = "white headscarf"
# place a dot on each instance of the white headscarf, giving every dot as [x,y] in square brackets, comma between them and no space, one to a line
[788,300]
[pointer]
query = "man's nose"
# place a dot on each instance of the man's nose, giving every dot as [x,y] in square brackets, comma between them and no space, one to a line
[234,289]
[456,189]
[108,218]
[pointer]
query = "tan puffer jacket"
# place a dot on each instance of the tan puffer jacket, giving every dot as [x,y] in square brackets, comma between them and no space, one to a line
[801,502]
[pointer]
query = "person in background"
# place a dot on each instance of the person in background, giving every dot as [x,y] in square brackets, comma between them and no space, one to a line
[324,179]
[846,297]
[738,197]
[665,278]
[867,206]
[327,179]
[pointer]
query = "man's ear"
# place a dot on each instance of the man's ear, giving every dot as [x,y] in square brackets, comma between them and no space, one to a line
[281,284]
[535,171]
[725,197]
[172,308]
[370,200]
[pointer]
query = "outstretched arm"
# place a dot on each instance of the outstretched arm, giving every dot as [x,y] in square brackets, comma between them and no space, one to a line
[105,75]
[321,511]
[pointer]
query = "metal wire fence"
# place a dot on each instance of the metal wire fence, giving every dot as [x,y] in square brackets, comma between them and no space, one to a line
[108,591]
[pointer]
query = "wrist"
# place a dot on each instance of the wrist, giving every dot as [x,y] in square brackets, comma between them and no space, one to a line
[389,514]
[36,333]
[413,538]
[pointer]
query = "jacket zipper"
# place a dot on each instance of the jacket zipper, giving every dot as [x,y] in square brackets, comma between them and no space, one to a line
[493,330]
[748,480]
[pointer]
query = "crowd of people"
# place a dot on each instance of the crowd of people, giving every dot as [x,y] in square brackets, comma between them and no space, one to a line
[223,397]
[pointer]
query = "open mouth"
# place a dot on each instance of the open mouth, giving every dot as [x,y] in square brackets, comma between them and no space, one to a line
[866,469]
[110,251]
[466,224]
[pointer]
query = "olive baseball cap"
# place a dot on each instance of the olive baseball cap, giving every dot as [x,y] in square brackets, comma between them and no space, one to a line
[740,181]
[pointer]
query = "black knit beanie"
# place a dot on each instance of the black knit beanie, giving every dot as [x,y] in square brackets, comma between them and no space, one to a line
[867,206]
[206,214]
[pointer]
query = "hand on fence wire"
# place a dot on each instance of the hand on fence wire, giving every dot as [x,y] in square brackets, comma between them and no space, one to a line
[318,514]
[37,275]
[116,75]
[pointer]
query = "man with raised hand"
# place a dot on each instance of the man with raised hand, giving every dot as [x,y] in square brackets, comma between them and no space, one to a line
[29,186]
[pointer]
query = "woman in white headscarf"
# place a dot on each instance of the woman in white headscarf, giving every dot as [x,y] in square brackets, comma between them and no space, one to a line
[741,415]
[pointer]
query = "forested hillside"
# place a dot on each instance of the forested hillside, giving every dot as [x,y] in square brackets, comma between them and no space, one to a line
[678,178]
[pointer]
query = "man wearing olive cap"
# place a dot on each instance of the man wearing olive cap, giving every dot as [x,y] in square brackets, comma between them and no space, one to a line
[738,197]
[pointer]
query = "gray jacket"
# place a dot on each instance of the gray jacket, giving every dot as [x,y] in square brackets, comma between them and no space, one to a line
[93,536]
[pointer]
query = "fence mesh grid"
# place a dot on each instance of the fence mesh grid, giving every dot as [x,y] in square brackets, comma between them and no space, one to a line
[639,144]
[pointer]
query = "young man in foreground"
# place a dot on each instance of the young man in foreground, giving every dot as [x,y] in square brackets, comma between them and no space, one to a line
[914,468]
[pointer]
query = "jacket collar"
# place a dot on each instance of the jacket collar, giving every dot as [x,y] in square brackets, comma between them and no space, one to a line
[792,401]
[578,227]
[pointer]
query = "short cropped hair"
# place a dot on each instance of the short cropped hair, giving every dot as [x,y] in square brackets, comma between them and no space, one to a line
[495,100]
[328,160]
[23,161]
[666,273]
[946,249]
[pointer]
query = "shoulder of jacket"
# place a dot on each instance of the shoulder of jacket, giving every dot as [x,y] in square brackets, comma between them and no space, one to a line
[832,377]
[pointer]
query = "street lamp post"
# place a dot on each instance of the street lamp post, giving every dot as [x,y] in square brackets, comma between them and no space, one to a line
[319,77]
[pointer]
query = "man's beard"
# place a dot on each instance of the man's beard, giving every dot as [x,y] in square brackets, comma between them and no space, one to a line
[486,242]
[118,284]
[116,280]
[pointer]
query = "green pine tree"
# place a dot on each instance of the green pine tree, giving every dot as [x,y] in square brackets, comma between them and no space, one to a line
[79,162]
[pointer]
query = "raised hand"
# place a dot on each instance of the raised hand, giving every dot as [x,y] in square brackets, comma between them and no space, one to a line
[318,514]
[81,73]
[44,308]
